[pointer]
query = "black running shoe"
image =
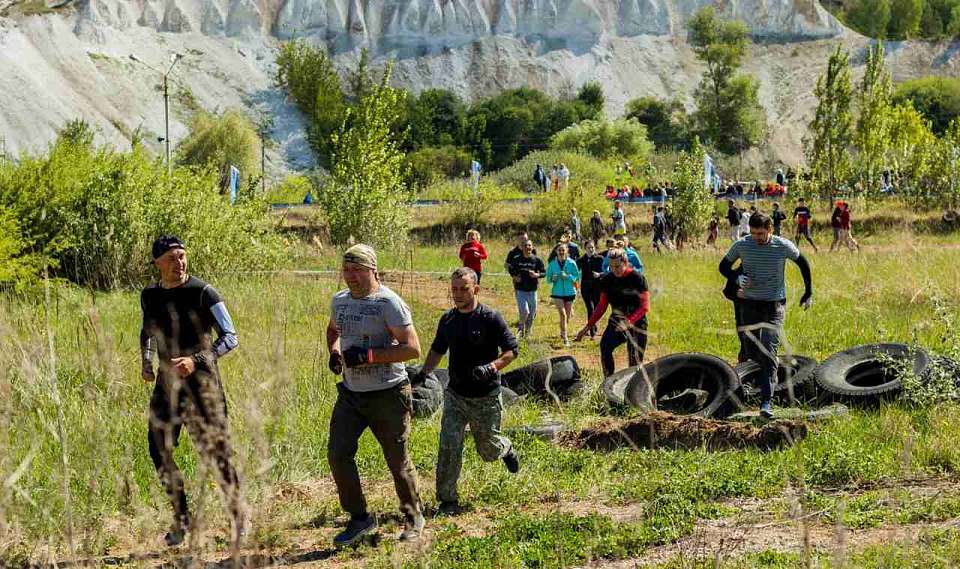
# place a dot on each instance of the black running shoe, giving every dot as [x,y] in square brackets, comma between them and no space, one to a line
[512,461]
[355,530]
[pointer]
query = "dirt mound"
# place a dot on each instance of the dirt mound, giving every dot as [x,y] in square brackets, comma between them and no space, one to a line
[663,430]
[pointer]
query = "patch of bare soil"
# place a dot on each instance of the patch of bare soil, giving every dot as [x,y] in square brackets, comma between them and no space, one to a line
[663,430]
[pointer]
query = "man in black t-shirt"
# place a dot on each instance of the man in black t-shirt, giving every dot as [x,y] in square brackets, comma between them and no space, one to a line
[625,290]
[803,216]
[526,271]
[778,218]
[480,345]
[180,314]
[517,251]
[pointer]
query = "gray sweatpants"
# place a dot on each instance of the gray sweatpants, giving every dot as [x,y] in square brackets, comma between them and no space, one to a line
[483,416]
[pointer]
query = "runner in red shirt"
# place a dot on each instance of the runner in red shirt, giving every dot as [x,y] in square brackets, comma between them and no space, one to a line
[472,253]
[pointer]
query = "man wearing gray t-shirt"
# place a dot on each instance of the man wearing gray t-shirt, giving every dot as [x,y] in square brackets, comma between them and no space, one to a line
[763,294]
[369,335]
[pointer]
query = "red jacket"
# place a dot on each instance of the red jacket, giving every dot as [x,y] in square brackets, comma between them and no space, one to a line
[471,253]
[845,219]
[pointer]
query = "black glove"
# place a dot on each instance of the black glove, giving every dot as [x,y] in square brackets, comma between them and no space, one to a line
[418,378]
[485,373]
[336,363]
[805,299]
[355,356]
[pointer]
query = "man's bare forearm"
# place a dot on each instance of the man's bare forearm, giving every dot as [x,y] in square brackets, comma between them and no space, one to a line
[433,360]
[504,360]
[396,354]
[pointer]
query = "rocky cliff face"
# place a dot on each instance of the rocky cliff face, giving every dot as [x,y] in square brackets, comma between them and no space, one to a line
[416,27]
[75,61]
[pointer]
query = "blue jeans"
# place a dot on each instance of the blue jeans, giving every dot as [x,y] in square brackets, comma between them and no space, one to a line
[762,342]
[527,307]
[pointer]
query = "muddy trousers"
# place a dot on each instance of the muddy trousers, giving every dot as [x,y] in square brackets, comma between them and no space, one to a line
[483,416]
[761,322]
[199,402]
[635,339]
[387,414]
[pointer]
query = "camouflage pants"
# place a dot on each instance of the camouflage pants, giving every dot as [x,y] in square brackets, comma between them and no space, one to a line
[483,416]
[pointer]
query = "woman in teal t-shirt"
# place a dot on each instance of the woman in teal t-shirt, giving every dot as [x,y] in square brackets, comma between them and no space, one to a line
[564,276]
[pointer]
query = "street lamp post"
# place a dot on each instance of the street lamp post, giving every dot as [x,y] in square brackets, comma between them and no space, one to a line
[166,101]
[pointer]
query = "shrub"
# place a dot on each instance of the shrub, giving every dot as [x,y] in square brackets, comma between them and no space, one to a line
[936,98]
[622,138]
[93,214]
[221,141]
[16,264]
[432,164]
[552,209]
[465,207]
[587,172]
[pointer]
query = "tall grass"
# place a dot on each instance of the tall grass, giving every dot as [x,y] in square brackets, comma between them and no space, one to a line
[280,395]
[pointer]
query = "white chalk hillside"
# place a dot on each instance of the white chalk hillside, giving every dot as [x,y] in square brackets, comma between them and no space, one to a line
[74,61]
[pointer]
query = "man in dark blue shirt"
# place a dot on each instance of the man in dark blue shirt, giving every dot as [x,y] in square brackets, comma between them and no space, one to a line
[480,344]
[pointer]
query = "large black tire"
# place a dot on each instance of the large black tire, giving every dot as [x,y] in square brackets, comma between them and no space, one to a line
[860,374]
[615,386]
[427,398]
[563,373]
[795,383]
[683,384]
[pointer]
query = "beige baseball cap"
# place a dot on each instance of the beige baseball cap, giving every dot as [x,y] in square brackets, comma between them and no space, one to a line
[362,255]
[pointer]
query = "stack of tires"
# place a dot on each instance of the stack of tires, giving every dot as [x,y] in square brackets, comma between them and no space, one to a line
[707,386]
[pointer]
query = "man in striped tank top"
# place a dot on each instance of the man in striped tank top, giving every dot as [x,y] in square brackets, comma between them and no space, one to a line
[763,292]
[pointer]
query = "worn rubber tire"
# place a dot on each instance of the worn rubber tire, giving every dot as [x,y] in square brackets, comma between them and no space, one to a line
[795,384]
[427,398]
[678,372]
[563,371]
[857,375]
[508,397]
[615,386]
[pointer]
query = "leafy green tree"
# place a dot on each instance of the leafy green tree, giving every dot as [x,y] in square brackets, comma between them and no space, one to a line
[947,166]
[592,97]
[953,27]
[832,126]
[931,24]
[904,19]
[872,135]
[665,120]
[728,112]
[912,148]
[623,138]
[870,17]
[936,98]
[365,196]
[692,203]
[308,76]
[435,118]
[220,141]
[77,132]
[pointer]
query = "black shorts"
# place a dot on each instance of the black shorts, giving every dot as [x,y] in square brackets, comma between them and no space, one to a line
[564,298]
[803,230]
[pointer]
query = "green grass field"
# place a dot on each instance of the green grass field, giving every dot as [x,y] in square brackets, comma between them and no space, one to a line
[873,489]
